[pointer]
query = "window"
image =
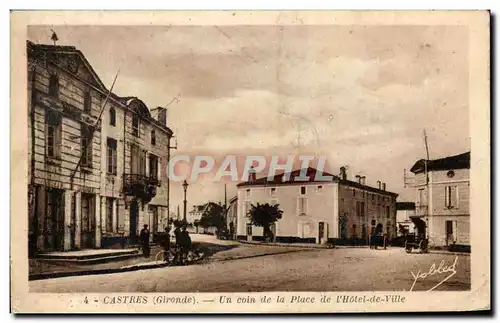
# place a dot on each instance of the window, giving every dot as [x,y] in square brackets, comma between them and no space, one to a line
[248,207]
[86,145]
[109,214]
[373,197]
[353,192]
[319,189]
[54,86]
[421,198]
[111,169]
[354,233]
[302,201]
[87,102]
[53,138]
[135,125]
[387,211]
[248,192]
[153,166]
[153,138]
[273,202]
[302,190]
[451,196]
[272,191]
[360,208]
[112,117]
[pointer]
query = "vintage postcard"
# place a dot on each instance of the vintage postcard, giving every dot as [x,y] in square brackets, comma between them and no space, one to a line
[250,162]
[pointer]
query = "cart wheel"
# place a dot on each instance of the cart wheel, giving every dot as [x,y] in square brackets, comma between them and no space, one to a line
[407,247]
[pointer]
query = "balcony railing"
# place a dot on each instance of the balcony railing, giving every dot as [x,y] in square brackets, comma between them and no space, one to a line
[140,186]
[421,210]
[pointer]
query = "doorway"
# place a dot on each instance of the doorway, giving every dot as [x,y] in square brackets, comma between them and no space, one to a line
[450,232]
[249,232]
[55,219]
[134,217]
[322,232]
[88,221]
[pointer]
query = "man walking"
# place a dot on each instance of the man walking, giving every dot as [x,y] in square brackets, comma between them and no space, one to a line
[146,250]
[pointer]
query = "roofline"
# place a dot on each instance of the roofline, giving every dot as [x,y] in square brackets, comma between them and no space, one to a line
[303,183]
[113,96]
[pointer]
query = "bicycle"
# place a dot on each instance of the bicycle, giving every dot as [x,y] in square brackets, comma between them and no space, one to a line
[174,253]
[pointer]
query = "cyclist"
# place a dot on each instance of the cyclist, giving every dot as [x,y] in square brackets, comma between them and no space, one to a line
[166,244]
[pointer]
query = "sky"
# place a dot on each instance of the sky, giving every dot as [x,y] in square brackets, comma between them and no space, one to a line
[359,95]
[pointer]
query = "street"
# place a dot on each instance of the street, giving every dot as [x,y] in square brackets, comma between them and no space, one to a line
[342,269]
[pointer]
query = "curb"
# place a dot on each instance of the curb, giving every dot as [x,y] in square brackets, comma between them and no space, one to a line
[285,245]
[92,272]
[256,256]
[134,268]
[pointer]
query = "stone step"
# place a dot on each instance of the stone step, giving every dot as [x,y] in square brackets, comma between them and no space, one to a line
[91,261]
[87,254]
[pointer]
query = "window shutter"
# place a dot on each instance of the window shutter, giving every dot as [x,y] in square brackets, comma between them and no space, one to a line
[446,201]
[454,196]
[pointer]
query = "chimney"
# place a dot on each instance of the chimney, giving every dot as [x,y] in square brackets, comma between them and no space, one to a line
[378,184]
[343,174]
[162,116]
[383,186]
[363,180]
[251,174]
[358,178]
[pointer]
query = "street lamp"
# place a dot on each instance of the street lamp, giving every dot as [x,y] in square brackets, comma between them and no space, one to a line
[185,186]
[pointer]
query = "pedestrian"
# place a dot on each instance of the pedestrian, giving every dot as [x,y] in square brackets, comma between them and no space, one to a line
[144,236]
[185,244]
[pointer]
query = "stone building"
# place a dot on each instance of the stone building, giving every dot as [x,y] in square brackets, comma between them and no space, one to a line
[442,188]
[316,210]
[85,189]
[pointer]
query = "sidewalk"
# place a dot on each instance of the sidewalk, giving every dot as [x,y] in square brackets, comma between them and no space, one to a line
[214,253]
[322,246]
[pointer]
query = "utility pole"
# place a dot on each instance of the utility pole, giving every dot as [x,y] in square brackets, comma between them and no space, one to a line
[427,158]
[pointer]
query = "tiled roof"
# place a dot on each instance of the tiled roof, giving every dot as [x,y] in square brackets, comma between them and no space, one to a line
[461,161]
[405,206]
[311,173]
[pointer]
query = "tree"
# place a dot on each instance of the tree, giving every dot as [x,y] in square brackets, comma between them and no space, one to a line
[264,215]
[213,216]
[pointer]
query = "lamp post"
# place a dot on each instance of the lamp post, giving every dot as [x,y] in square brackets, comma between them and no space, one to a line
[185,186]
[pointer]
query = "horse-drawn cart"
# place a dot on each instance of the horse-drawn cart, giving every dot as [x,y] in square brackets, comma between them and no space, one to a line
[417,243]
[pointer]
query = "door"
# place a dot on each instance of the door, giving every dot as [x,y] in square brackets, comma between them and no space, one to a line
[273,231]
[322,232]
[88,221]
[450,233]
[134,216]
[249,232]
[55,220]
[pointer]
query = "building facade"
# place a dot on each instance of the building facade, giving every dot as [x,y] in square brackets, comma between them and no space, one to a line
[84,191]
[405,211]
[318,211]
[442,199]
[196,213]
[232,217]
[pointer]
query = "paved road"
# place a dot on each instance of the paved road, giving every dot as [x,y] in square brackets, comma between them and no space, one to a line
[309,270]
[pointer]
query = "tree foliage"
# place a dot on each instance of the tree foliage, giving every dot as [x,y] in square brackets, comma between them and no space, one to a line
[213,216]
[264,215]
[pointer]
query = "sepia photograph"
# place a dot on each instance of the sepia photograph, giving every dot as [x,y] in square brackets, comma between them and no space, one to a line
[170,159]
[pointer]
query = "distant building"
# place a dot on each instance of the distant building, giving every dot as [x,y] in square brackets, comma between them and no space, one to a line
[405,210]
[195,213]
[232,217]
[318,211]
[442,200]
